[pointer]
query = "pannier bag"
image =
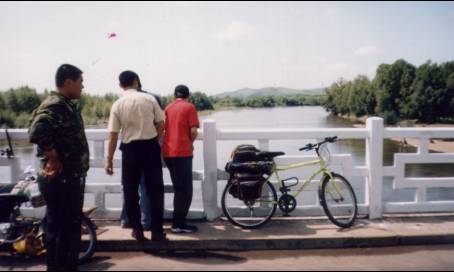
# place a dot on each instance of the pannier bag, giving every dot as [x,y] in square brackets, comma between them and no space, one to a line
[248,169]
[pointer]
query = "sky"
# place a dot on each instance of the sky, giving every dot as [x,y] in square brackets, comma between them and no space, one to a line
[216,47]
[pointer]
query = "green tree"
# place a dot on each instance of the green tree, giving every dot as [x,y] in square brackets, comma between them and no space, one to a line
[428,93]
[393,83]
[201,101]
[361,97]
[2,103]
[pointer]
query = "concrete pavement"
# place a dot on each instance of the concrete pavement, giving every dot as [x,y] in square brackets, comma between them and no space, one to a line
[293,233]
[410,258]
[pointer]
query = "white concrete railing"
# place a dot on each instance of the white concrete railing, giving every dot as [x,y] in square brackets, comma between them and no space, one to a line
[374,171]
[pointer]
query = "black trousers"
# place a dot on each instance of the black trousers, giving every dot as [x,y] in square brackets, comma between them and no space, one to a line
[143,158]
[64,198]
[181,175]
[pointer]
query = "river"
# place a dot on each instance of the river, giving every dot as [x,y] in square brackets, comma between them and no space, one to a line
[293,117]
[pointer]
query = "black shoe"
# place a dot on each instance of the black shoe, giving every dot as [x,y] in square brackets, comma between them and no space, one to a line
[146,228]
[126,225]
[162,237]
[184,229]
[139,236]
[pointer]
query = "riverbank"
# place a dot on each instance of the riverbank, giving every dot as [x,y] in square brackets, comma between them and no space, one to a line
[435,145]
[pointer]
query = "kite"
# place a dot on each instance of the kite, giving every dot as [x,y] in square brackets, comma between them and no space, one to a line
[93,63]
[112,35]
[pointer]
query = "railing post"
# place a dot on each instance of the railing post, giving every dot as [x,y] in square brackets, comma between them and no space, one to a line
[264,145]
[210,178]
[374,161]
[15,169]
[99,150]
[36,160]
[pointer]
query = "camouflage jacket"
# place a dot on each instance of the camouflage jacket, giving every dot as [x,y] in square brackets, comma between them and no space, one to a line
[57,124]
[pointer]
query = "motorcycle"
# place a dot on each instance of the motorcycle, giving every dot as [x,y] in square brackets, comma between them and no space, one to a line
[22,235]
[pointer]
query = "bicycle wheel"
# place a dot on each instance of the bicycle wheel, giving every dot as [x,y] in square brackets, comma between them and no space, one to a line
[250,214]
[89,240]
[338,200]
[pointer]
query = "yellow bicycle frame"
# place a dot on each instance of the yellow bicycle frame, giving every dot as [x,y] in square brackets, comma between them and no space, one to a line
[323,169]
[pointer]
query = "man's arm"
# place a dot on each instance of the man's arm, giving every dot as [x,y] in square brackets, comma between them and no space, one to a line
[194,123]
[114,129]
[160,128]
[194,134]
[159,119]
[113,140]
[42,130]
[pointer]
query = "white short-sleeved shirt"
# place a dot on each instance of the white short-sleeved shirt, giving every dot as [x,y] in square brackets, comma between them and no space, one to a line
[135,115]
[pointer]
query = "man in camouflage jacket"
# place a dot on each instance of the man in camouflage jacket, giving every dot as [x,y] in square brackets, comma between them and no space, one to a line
[57,129]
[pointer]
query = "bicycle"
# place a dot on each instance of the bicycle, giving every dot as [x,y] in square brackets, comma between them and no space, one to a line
[336,195]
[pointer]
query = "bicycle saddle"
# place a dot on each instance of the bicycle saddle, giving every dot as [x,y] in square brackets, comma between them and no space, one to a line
[271,155]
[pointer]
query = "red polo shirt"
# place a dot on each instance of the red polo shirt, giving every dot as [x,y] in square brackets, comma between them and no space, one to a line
[181,116]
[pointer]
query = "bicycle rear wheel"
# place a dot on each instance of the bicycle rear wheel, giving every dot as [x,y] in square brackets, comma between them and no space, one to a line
[338,200]
[250,214]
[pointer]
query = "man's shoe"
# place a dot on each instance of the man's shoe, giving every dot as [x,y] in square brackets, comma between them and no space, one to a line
[125,225]
[184,229]
[159,237]
[146,228]
[139,236]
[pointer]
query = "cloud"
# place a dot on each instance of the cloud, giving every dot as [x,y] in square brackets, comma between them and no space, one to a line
[337,70]
[451,14]
[234,31]
[339,66]
[366,51]
[330,12]
[112,24]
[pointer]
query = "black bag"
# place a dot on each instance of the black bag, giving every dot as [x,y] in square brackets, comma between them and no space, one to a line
[253,167]
[6,210]
[6,205]
[246,187]
[251,157]
[247,169]
[245,153]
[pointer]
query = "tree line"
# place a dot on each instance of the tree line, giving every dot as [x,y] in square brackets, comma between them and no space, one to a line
[17,104]
[399,91]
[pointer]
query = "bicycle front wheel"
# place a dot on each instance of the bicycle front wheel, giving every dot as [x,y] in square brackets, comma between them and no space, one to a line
[250,214]
[339,200]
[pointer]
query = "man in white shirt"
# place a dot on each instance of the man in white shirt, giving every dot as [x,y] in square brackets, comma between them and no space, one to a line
[141,122]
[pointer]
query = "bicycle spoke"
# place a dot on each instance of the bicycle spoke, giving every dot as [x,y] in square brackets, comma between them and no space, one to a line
[248,214]
[339,201]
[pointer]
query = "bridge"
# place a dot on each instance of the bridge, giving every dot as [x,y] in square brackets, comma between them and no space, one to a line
[373,171]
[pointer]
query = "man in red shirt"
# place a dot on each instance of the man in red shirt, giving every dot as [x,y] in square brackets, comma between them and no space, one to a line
[180,133]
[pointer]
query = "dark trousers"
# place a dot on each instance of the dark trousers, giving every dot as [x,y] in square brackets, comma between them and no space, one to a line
[64,198]
[143,158]
[181,175]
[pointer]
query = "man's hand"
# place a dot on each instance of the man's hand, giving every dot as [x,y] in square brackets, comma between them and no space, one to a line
[52,168]
[113,139]
[109,167]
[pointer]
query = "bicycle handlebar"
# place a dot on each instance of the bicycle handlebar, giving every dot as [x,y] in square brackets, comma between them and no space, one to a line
[317,145]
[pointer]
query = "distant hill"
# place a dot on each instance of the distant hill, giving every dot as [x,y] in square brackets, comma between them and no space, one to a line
[270,91]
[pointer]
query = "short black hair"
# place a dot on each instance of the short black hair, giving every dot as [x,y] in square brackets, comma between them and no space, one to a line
[182,91]
[67,71]
[127,78]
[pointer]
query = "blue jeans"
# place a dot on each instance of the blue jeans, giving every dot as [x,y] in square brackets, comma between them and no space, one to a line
[144,207]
